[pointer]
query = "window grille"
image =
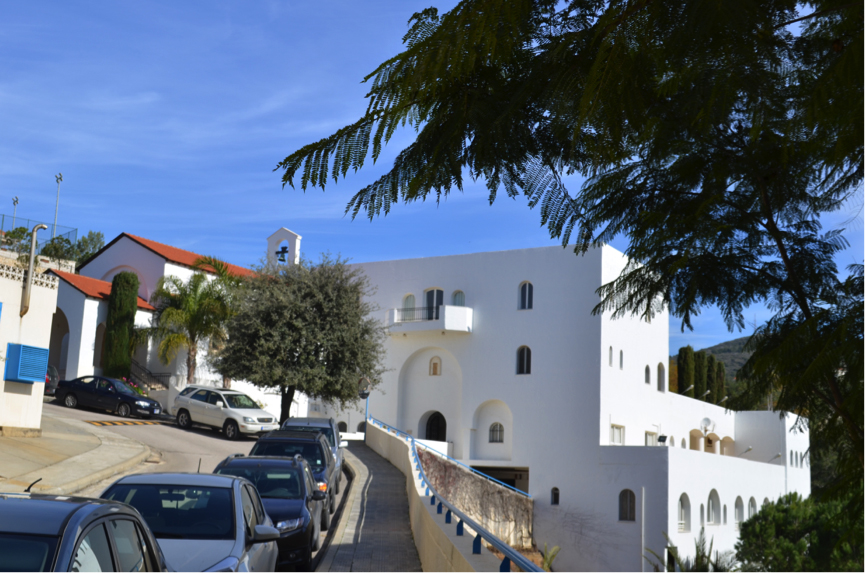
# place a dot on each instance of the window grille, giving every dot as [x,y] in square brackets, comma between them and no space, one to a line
[554,496]
[526,296]
[524,360]
[627,506]
[497,433]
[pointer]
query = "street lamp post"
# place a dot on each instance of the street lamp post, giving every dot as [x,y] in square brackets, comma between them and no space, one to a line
[14,210]
[59,178]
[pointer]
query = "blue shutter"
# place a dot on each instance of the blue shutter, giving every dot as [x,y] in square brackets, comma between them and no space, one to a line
[26,364]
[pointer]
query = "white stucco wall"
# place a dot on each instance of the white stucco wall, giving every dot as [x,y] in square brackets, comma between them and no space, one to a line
[20,403]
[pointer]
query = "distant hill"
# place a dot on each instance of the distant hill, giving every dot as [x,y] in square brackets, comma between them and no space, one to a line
[730,353]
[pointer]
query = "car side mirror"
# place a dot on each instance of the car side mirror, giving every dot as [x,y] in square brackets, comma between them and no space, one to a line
[318,495]
[265,533]
[220,404]
[343,444]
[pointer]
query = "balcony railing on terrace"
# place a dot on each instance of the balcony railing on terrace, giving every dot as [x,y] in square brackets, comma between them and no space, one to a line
[417,314]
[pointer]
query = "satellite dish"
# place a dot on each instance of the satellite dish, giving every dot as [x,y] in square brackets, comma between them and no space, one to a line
[705,424]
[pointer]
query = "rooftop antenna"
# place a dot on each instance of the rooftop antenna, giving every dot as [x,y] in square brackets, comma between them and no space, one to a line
[59,178]
[31,485]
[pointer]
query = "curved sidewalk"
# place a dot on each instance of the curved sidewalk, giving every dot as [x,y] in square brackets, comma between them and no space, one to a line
[374,533]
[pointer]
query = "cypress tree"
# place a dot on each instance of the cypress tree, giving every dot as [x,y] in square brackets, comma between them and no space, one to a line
[122,305]
[720,382]
[699,374]
[686,370]
[711,366]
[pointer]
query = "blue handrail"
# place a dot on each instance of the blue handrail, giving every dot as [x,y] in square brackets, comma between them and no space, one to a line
[511,554]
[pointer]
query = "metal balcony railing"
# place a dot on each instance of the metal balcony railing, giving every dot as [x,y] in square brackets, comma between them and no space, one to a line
[418,314]
[144,376]
[511,554]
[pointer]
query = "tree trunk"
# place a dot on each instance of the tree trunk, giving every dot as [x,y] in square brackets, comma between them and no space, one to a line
[287,398]
[190,363]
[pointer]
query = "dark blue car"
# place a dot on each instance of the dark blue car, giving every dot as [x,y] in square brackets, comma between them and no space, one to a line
[106,394]
[290,497]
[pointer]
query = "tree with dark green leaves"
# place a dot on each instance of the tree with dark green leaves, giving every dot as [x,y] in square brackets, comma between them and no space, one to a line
[714,137]
[720,388]
[795,534]
[305,328]
[700,375]
[120,325]
[685,363]
[711,371]
[61,248]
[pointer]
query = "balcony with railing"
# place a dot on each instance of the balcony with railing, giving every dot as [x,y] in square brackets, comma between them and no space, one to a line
[446,318]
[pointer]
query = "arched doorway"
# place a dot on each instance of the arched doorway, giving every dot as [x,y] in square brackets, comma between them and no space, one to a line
[436,427]
[99,348]
[59,344]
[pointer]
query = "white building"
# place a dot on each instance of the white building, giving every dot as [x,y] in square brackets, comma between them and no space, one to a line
[24,349]
[77,333]
[499,355]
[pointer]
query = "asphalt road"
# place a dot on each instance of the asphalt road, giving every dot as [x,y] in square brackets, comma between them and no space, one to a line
[174,450]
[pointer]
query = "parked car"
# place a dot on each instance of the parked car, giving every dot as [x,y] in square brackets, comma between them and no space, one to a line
[106,394]
[291,498]
[59,533]
[203,522]
[52,378]
[233,412]
[326,426]
[315,449]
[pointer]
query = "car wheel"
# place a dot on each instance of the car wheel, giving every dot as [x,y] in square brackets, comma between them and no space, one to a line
[325,519]
[123,410]
[336,485]
[232,432]
[71,401]
[183,420]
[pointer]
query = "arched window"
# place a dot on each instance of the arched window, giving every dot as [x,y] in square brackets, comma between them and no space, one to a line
[526,296]
[434,299]
[702,515]
[497,433]
[458,298]
[684,513]
[648,375]
[621,360]
[524,360]
[791,459]
[713,515]
[342,427]
[409,311]
[361,428]
[408,302]
[752,508]
[435,366]
[611,355]
[684,447]
[765,501]
[627,506]
[740,511]
[662,382]
[671,441]
[725,514]
[554,496]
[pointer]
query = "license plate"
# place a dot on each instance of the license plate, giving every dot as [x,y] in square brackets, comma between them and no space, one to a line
[156,410]
[263,428]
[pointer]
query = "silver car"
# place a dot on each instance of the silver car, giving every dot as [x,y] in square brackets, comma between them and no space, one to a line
[202,522]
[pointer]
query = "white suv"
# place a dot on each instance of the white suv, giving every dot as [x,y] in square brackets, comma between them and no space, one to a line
[235,413]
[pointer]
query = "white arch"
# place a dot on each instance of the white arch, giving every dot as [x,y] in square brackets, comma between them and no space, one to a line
[143,289]
[486,414]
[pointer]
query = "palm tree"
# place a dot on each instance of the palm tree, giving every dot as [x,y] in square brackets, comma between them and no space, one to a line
[188,313]
[702,560]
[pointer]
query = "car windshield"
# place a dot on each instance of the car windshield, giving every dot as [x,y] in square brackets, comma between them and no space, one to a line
[180,512]
[123,387]
[26,552]
[311,452]
[328,432]
[240,401]
[275,483]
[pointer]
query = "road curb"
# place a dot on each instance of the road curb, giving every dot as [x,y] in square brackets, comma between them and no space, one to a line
[109,444]
[324,559]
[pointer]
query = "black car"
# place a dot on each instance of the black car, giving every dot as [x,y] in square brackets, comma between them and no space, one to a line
[326,426]
[106,394]
[313,448]
[59,533]
[52,378]
[291,498]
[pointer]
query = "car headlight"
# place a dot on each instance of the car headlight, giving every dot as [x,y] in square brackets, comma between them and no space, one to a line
[249,420]
[289,524]
[143,403]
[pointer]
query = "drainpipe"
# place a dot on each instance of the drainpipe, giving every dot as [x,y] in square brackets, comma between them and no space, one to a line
[25,298]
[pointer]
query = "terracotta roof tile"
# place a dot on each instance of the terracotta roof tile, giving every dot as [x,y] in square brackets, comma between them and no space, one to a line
[181,256]
[94,288]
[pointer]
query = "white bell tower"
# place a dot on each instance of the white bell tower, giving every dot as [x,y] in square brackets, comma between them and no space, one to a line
[278,252]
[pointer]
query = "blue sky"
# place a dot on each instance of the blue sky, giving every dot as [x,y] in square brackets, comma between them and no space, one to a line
[167,119]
